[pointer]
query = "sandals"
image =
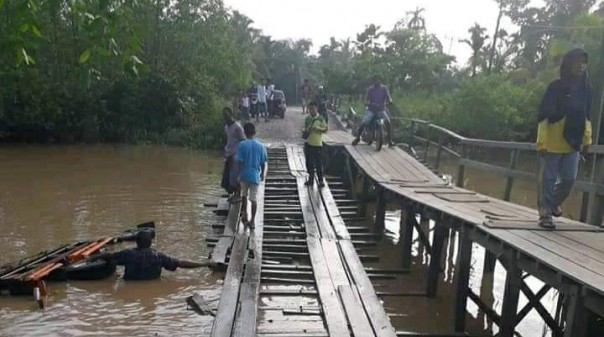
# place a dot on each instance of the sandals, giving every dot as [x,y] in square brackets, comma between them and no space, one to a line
[547,223]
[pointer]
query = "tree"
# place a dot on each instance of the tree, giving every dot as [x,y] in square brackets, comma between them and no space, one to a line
[476,42]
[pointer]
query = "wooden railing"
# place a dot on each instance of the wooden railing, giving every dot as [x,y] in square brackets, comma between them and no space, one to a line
[439,141]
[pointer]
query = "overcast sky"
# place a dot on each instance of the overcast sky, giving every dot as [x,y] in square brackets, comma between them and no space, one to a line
[321,19]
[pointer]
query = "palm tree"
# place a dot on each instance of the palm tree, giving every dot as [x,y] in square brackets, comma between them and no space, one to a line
[417,21]
[476,42]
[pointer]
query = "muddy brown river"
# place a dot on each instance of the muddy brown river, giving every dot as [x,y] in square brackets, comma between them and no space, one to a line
[58,194]
[51,195]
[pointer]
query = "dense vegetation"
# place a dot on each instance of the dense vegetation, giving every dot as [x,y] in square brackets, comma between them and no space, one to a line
[123,71]
[159,71]
[495,95]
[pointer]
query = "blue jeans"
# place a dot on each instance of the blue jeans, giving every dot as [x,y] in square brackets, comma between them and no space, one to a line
[557,175]
[369,115]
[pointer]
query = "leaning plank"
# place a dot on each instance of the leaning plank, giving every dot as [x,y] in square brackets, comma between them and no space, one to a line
[377,315]
[220,250]
[223,324]
[332,308]
[248,299]
[354,311]
[335,266]
[224,243]
[338,224]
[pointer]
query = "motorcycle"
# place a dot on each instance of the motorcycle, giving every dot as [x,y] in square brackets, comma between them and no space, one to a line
[375,131]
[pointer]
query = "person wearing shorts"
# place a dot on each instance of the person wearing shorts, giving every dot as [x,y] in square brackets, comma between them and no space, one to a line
[305,94]
[252,162]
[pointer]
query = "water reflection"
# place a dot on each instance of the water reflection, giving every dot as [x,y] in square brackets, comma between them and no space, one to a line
[57,194]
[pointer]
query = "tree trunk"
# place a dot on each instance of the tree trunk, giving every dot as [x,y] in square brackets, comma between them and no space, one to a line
[495,35]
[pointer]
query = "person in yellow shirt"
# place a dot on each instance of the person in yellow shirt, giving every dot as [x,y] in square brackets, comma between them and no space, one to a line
[564,131]
[314,128]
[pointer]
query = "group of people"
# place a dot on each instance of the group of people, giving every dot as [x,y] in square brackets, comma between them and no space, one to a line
[258,101]
[564,131]
[245,164]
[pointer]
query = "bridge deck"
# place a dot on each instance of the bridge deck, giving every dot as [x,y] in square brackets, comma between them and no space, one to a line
[574,250]
[298,273]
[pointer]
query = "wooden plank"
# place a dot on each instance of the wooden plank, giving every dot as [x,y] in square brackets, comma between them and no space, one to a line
[220,250]
[246,323]
[461,198]
[563,249]
[376,313]
[533,225]
[334,313]
[333,212]
[357,319]
[223,207]
[310,222]
[320,214]
[223,324]
[335,266]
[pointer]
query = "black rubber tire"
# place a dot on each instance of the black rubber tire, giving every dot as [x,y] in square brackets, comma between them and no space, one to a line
[92,270]
[379,137]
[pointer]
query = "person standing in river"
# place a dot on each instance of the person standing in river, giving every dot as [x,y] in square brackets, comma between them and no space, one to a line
[252,163]
[144,263]
[314,128]
[564,131]
[234,135]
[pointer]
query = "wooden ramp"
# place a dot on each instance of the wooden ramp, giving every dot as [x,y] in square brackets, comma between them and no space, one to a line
[570,259]
[298,273]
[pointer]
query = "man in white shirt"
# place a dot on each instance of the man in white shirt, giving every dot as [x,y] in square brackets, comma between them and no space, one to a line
[262,108]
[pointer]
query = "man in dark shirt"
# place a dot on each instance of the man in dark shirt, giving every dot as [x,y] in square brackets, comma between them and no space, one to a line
[144,262]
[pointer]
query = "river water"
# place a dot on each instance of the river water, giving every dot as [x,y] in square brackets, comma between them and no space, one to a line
[58,194]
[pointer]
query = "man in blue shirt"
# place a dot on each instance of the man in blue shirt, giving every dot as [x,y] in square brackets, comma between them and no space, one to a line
[145,263]
[252,161]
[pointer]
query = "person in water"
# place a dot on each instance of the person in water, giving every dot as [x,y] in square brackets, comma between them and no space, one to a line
[145,263]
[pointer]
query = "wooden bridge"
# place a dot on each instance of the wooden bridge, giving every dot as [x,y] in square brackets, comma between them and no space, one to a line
[301,271]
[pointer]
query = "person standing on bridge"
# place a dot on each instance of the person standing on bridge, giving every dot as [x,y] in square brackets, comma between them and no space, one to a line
[305,94]
[252,162]
[234,135]
[262,107]
[376,99]
[314,128]
[322,101]
[564,131]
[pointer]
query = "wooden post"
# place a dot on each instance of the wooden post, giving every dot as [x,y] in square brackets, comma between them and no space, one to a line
[509,309]
[407,219]
[434,268]
[584,206]
[439,151]
[462,276]
[350,178]
[576,318]
[364,196]
[461,168]
[596,210]
[380,214]
[509,181]
[427,149]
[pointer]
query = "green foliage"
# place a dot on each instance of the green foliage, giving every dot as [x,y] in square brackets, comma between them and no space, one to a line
[133,71]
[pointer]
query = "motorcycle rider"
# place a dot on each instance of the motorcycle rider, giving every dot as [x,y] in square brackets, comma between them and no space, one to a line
[376,99]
